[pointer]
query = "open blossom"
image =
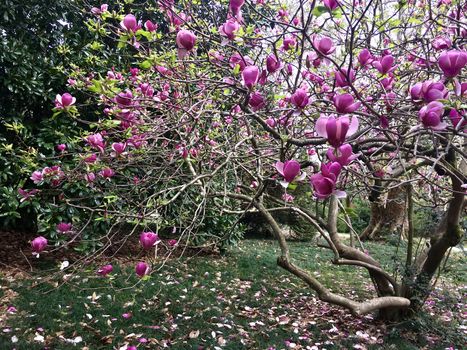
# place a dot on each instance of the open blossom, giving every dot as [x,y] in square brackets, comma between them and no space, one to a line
[336,130]
[124,99]
[452,62]
[345,103]
[99,10]
[324,183]
[385,64]
[149,239]
[441,43]
[242,61]
[186,41]
[324,45]
[105,270]
[290,171]
[96,141]
[300,98]
[250,76]
[229,28]
[106,173]
[431,116]
[37,177]
[289,43]
[428,91]
[89,177]
[342,154]
[118,148]
[272,63]
[344,77]
[142,269]
[26,194]
[457,118]
[236,6]
[38,244]
[64,227]
[64,101]
[149,26]
[129,23]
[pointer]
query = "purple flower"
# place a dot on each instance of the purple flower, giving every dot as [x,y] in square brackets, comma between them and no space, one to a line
[186,41]
[324,45]
[342,155]
[300,98]
[441,43]
[336,130]
[148,239]
[364,57]
[345,103]
[118,148]
[37,176]
[96,141]
[431,116]
[142,269]
[428,91]
[64,101]
[452,62]
[331,4]
[343,79]
[172,242]
[289,170]
[272,63]
[38,244]
[26,194]
[324,183]
[457,118]
[129,23]
[150,27]
[256,101]
[385,64]
[107,173]
[250,76]
[229,28]
[105,270]
[64,227]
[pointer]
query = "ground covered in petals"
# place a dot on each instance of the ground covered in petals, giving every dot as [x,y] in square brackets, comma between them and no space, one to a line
[238,301]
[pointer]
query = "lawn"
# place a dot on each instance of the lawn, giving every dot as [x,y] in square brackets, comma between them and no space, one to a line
[239,301]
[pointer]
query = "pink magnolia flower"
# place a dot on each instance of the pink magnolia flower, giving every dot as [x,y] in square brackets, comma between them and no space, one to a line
[98,11]
[272,63]
[429,91]
[452,62]
[229,28]
[385,64]
[150,27]
[118,148]
[236,6]
[186,41]
[441,43]
[331,4]
[37,176]
[289,43]
[457,118]
[149,239]
[242,61]
[365,57]
[129,23]
[107,173]
[290,171]
[64,101]
[142,269]
[89,177]
[324,183]
[96,141]
[344,77]
[256,101]
[172,242]
[38,244]
[26,194]
[431,116]
[250,76]
[124,99]
[342,155]
[105,270]
[345,103]
[300,98]
[271,122]
[61,147]
[324,45]
[64,227]
[288,198]
[336,130]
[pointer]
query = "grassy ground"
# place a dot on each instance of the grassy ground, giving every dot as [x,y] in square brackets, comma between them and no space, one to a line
[242,301]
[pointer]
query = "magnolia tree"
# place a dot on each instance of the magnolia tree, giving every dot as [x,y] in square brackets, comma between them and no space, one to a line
[233,113]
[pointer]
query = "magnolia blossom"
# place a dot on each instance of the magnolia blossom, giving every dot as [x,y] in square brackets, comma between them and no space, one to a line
[38,244]
[441,43]
[107,173]
[98,11]
[250,76]
[26,194]
[428,91]
[105,270]
[124,99]
[64,101]
[345,103]
[61,147]
[96,141]
[118,148]
[235,6]
[385,64]
[457,118]
[324,45]
[149,239]
[256,101]
[272,63]
[324,183]
[37,176]
[129,23]
[242,61]
[290,171]
[344,77]
[431,116]
[300,98]
[229,28]
[142,269]
[336,130]
[364,57]
[172,242]
[452,62]
[186,41]
[331,4]
[64,227]
[150,27]
[342,155]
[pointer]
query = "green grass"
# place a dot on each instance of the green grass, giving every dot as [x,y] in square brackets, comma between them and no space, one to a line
[243,299]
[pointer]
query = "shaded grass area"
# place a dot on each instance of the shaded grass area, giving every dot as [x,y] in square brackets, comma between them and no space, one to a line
[240,301]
